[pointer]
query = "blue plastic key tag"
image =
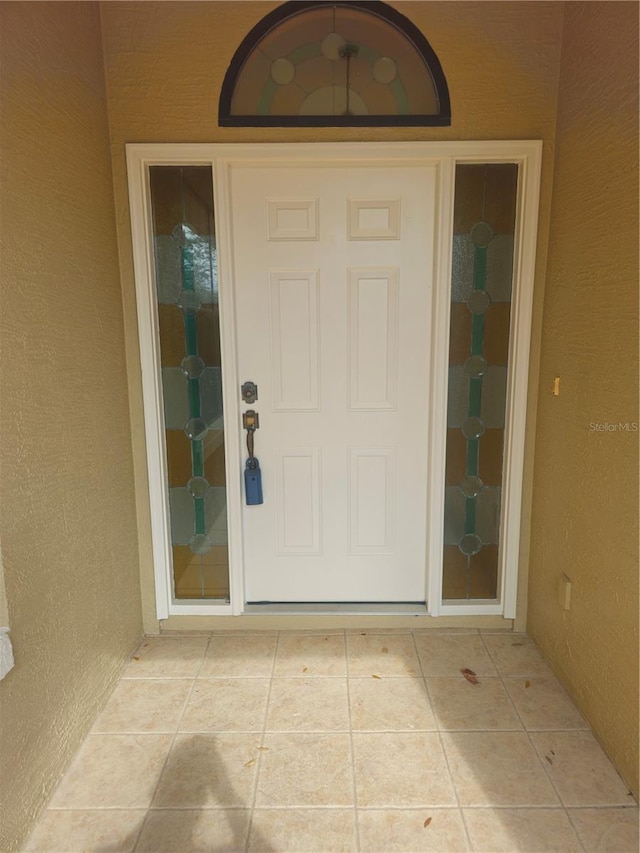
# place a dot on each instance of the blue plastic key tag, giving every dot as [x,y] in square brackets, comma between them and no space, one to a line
[253,482]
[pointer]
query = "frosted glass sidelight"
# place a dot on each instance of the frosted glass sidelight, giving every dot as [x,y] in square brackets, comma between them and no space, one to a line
[482,273]
[189,340]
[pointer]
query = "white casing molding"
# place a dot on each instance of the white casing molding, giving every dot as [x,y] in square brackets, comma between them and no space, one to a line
[445,156]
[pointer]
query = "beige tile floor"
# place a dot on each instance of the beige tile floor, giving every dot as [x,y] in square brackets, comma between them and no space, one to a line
[342,741]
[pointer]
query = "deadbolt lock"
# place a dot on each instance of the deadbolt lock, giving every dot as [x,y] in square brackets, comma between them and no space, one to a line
[249,391]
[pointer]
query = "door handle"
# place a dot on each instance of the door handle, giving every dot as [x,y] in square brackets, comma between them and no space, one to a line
[252,473]
[250,422]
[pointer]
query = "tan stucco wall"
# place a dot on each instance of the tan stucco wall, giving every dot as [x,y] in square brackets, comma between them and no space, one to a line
[165,63]
[68,513]
[4,607]
[585,507]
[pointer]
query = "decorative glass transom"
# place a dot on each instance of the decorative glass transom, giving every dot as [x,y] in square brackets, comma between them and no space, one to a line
[334,64]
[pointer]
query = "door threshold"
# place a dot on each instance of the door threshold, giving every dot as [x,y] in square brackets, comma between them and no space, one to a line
[358,608]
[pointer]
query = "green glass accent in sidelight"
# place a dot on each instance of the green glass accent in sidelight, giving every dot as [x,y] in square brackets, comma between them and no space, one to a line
[197,459]
[194,397]
[473,449]
[200,524]
[190,334]
[475,397]
[186,263]
[477,334]
[479,268]
[481,235]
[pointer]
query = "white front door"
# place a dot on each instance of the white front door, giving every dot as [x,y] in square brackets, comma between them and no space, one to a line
[333,274]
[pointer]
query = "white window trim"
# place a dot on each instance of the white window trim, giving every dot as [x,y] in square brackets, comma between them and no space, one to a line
[528,155]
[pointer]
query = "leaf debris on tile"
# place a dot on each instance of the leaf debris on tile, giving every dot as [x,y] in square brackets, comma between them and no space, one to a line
[470,675]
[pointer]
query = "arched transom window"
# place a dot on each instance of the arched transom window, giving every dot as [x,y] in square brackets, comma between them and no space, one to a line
[334,64]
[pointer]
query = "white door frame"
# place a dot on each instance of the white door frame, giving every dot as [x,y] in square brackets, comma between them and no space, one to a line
[444,156]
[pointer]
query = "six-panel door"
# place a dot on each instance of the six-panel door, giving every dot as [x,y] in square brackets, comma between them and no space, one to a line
[333,277]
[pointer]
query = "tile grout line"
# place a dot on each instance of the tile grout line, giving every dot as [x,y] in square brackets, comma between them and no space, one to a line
[573,827]
[574,830]
[262,738]
[375,808]
[356,821]
[604,806]
[171,745]
[172,736]
[442,747]
[530,739]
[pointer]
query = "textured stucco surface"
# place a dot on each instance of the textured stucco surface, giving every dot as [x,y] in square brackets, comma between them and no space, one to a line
[165,63]
[585,502]
[4,608]
[68,512]
[68,522]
